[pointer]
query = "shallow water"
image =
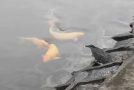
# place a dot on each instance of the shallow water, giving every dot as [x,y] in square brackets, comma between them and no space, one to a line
[21,66]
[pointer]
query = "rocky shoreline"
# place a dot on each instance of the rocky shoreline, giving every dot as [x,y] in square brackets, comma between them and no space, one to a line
[109,63]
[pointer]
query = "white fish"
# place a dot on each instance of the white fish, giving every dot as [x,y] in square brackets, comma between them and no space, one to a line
[56,32]
[61,35]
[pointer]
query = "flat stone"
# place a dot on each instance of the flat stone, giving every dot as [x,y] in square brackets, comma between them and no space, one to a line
[124,36]
[123,80]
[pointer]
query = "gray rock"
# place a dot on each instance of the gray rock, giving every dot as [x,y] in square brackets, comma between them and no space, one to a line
[132,27]
[124,36]
[123,79]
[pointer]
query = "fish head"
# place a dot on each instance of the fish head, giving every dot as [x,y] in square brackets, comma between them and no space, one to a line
[52,22]
[47,58]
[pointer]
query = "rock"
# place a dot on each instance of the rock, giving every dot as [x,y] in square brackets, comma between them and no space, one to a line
[123,80]
[124,36]
[88,87]
[124,45]
[85,77]
[48,88]
[132,27]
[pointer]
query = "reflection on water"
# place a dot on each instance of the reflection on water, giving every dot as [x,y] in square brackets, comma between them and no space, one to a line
[21,66]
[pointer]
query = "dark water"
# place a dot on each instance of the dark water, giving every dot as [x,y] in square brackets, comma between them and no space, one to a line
[21,66]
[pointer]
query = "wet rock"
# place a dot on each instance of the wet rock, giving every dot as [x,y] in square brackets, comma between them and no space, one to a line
[124,36]
[88,77]
[125,45]
[123,80]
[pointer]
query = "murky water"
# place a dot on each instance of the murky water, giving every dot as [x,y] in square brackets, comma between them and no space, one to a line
[21,66]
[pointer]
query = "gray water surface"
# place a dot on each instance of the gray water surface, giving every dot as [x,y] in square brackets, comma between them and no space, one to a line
[21,66]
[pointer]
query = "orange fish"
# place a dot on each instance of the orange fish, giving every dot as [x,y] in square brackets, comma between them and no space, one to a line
[52,53]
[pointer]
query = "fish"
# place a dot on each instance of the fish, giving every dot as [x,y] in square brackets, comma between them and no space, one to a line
[62,35]
[52,53]
[40,43]
[57,32]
